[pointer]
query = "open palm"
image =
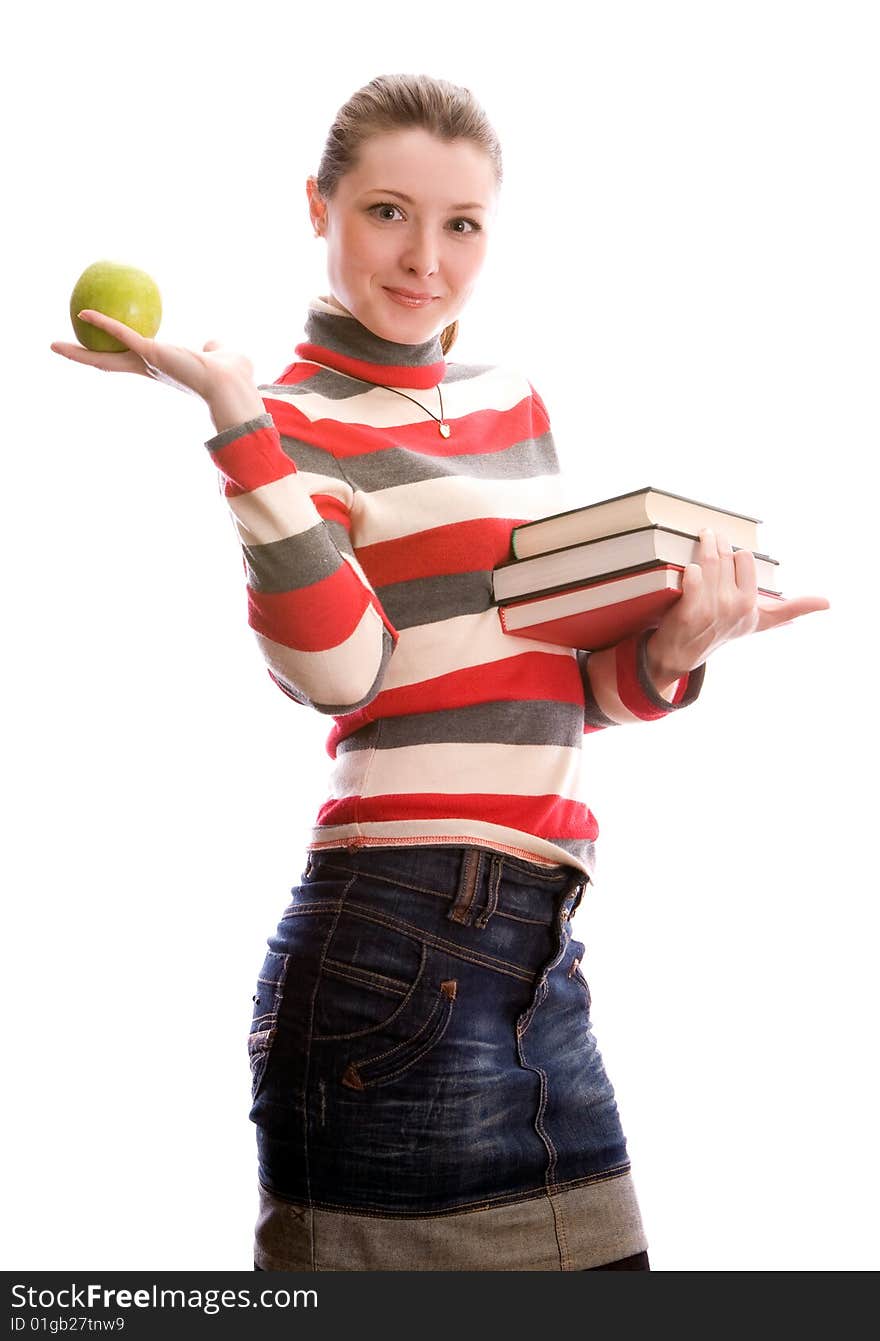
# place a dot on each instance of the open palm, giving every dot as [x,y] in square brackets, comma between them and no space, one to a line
[195,371]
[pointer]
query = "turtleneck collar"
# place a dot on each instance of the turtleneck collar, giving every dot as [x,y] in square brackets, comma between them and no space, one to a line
[337,340]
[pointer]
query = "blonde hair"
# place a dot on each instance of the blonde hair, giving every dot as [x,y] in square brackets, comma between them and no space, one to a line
[399,102]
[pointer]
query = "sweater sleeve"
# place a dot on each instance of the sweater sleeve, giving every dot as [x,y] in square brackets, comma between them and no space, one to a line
[616,681]
[618,686]
[318,622]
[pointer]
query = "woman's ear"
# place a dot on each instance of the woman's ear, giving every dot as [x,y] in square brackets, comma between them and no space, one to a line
[317,208]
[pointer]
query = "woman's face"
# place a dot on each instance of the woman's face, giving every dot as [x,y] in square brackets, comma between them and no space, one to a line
[433,243]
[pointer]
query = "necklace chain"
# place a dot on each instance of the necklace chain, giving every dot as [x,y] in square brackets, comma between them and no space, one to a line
[443,427]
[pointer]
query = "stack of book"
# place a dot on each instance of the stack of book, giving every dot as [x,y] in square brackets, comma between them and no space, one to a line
[590,577]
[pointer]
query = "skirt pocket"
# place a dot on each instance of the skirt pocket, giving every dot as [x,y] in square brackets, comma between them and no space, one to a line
[391,1062]
[264,1022]
[384,1000]
[369,975]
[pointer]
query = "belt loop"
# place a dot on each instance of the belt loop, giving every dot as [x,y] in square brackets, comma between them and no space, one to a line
[462,905]
[492,883]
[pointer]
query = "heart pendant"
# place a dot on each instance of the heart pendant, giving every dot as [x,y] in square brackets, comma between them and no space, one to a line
[445,430]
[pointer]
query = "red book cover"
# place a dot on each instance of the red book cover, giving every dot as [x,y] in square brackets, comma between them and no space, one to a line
[599,615]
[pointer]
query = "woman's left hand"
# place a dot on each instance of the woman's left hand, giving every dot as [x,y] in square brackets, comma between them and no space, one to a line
[719,601]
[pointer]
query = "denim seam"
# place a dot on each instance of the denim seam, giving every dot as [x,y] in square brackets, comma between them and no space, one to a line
[438,893]
[426,938]
[307,1079]
[380,982]
[474,1208]
[439,1029]
[374,1028]
[538,875]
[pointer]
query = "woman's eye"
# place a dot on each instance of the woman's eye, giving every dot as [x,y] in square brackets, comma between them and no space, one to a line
[473,226]
[385,206]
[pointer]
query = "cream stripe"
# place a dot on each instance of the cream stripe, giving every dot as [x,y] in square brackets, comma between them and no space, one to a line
[603,678]
[453,767]
[340,675]
[429,650]
[495,389]
[395,833]
[406,509]
[282,508]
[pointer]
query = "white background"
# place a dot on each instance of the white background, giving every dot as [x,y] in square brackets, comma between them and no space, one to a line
[686,267]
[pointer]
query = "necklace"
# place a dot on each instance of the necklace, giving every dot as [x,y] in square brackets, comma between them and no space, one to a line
[442,426]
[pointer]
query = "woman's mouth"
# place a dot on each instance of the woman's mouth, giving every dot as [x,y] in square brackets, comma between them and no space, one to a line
[407,300]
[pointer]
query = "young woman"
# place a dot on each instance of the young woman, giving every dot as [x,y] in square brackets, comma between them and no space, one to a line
[426,1085]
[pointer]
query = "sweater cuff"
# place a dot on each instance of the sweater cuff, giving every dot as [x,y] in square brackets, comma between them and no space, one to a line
[238,431]
[249,455]
[634,685]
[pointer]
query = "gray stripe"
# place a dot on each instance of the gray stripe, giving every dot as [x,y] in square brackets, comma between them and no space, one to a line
[523,722]
[394,466]
[584,849]
[347,336]
[238,431]
[339,386]
[316,460]
[695,683]
[399,465]
[292,563]
[296,561]
[593,714]
[422,600]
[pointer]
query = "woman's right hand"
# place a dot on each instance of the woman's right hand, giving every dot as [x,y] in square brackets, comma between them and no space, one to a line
[206,373]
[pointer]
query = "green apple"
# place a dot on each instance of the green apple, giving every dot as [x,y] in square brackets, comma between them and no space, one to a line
[121,292]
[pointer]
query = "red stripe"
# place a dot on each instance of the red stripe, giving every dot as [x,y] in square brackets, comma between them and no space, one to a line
[546,815]
[535,676]
[253,459]
[480,433]
[629,689]
[315,618]
[332,508]
[544,419]
[457,547]
[297,372]
[423,375]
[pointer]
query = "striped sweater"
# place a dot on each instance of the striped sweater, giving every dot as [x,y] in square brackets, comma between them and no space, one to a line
[368,542]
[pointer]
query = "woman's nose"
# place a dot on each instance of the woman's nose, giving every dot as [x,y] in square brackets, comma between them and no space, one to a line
[421,254]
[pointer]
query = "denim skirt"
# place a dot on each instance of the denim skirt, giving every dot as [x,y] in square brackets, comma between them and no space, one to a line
[426,1087]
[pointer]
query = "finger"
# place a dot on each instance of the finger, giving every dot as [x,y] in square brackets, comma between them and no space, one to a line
[691,584]
[706,586]
[775,613]
[746,573]
[211,344]
[139,345]
[129,337]
[806,605]
[726,568]
[120,361]
[708,544]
